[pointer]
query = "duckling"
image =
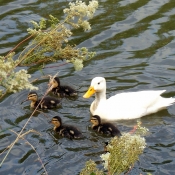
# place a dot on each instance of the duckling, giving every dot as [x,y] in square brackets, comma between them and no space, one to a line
[68,131]
[62,91]
[47,102]
[104,128]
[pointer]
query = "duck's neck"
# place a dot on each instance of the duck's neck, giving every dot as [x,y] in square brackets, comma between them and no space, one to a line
[99,97]
[32,104]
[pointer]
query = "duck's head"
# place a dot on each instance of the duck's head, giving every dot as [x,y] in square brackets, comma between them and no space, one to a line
[55,82]
[98,84]
[56,121]
[95,120]
[33,96]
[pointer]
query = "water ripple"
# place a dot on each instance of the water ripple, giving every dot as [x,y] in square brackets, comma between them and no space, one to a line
[134,41]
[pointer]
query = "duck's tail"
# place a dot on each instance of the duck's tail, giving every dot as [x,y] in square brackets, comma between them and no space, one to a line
[161,103]
[167,101]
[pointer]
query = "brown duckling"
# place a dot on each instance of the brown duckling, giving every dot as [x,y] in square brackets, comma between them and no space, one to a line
[47,102]
[104,128]
[68,131]
[62,91]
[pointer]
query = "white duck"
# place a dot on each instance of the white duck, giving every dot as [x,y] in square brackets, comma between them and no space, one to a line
[123,106]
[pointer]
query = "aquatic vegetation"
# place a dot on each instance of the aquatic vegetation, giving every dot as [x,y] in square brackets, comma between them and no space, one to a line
[22,133]
[91,169]
[140,130]
[13,80]
[122,153]
[52,44]
[48,45]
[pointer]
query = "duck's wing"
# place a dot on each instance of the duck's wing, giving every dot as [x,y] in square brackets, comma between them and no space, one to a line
[51,102]
[68,91]
[74,132]
[111,129]
[140,99]
[132,105]
[145,99]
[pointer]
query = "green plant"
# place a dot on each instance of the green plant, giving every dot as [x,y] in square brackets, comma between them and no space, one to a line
[52,44]
[122,153]
[13,80]
[91,169]
[48,45]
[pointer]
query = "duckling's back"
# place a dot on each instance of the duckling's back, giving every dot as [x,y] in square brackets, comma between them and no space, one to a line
[111,129]
[74,132]
[66,91]
[49,103]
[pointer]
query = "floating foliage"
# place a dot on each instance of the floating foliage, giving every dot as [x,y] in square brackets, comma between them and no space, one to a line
[140,130]
[49,45]
[91,169]
[122,153]
[11,80]
[52,44]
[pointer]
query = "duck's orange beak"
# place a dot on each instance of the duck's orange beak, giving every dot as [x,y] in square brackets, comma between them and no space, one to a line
[89,93]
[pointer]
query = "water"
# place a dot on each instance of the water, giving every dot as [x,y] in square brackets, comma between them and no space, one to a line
[134,41]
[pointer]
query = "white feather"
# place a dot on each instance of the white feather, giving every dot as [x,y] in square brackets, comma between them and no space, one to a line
[129,105]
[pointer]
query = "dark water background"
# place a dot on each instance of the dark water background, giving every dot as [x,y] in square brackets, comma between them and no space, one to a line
[135,45]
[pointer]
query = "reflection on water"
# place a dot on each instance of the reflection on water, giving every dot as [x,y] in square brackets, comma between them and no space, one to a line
[134,42]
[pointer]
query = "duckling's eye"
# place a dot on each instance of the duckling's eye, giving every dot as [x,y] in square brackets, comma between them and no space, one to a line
[98,82]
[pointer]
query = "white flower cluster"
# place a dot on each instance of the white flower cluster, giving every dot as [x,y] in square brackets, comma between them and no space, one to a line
[19,81]
[134,140]
[105,158]
[81,11]
[78,63]
[141,130]
[123,152]
[9,79]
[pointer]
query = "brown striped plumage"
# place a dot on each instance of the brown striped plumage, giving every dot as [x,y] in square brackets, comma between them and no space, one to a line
[68,131]
[47,102]
[62,91]
[104,128]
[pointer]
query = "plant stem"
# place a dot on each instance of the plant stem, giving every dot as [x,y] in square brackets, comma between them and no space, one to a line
[19,135]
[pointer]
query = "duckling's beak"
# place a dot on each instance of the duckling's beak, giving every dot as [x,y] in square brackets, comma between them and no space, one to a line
[90,92]
[24,101]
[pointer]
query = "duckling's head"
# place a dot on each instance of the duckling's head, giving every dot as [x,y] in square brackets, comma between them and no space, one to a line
[33,96]
[55,82]
[56,121]
[98,85]
[95,120]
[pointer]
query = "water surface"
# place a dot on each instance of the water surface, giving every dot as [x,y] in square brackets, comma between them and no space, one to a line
[134,41]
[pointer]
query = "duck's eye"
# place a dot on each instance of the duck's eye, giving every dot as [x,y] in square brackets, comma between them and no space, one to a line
[98,82]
